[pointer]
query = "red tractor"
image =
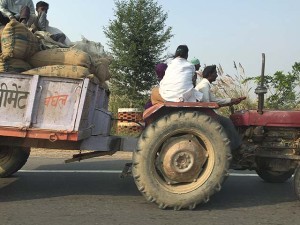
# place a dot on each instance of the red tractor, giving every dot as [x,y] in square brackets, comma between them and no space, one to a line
[183,155]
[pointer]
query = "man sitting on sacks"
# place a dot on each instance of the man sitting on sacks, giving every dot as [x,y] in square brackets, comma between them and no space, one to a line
[177,84]
[21,10]
[42,29]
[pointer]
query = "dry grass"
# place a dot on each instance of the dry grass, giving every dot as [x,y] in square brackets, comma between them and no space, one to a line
[233,86]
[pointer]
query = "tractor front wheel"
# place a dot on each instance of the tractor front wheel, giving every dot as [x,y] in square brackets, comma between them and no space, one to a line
[274,176]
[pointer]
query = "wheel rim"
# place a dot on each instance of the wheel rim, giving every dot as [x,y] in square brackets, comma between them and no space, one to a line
[185,160]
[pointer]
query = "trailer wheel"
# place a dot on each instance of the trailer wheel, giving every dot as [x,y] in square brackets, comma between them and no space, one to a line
[297,182]
[274,176]
[181,160]
[12,159]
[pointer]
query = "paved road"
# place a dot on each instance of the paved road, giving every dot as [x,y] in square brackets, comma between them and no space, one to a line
[47,191]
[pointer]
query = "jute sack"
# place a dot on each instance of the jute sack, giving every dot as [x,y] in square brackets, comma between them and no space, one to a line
[1,30]
[101,69]
[18,42]
[14,65]
[60,56]
[95,80]
[60,71]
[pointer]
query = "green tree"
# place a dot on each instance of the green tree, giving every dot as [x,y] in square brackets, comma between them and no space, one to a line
[283,89]
[137,39]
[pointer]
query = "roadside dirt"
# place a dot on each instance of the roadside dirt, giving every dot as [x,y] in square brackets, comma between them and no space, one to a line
[54,153]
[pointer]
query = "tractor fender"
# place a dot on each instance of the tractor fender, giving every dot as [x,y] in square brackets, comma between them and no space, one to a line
[161,109]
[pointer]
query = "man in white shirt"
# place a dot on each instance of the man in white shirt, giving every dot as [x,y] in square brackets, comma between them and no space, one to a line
[21,10]
[177,84]
[210,75]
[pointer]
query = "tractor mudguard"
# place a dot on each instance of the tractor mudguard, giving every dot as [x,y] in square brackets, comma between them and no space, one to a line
[160,109]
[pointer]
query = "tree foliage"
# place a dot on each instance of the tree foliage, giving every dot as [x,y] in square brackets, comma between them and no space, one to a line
[137,38]
[283,89]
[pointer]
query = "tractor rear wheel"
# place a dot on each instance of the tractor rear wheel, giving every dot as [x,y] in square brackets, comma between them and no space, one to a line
[12,159]
[274,176]
[181,160]
[297,182]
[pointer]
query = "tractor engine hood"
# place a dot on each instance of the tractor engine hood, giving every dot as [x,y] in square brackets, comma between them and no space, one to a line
[272,118]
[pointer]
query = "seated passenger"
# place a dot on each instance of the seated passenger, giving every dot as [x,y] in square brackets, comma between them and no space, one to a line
[198,74]
[177,84]
[210,75]
[160,70]
[22,10]
[42,23]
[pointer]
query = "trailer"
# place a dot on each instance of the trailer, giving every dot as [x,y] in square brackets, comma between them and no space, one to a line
[57,113]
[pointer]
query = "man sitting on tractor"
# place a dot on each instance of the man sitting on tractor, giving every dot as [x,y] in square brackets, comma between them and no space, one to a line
[210,75]
[177,84]
[160,70]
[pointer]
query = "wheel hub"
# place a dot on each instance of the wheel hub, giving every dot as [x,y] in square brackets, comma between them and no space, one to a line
[182,159]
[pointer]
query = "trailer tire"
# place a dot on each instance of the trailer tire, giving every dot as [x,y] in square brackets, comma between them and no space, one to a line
[12,159]
[297,182]
[181,160]
[274,176]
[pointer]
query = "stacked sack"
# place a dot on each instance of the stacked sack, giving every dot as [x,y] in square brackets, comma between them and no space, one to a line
[18,44]
[21,53]
[69,62]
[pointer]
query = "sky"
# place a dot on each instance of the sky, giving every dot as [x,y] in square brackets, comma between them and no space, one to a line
[216,31]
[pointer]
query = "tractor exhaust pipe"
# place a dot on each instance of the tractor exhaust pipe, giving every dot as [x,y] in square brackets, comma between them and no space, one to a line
[261,90]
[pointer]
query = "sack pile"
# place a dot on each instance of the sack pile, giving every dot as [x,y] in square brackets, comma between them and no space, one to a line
[69,71]
[14,65]
[60,56]
[68,62]
[21,53]
[18,44]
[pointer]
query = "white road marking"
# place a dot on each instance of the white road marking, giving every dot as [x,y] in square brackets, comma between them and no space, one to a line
[70,171]
[243,174]
[112,171]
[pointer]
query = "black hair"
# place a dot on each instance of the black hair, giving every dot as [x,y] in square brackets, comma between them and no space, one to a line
[182,51]
[41,4]
[209,70]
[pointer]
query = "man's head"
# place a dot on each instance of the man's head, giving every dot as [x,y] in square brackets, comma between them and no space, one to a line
[42,7]
[196,63]
[182,51]
[210,73]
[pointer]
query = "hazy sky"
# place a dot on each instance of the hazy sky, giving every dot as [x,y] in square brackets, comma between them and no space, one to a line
[216,31]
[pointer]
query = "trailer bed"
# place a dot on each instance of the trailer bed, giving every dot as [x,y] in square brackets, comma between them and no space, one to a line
[52,108]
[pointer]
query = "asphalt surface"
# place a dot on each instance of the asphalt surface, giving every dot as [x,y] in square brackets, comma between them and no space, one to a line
[47,191]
